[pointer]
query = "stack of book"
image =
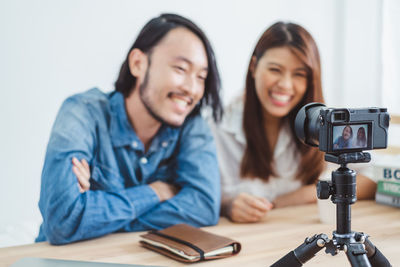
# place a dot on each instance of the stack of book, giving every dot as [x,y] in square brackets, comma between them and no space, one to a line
[387,173]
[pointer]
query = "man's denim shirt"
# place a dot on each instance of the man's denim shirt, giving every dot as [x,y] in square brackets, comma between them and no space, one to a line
[94,126]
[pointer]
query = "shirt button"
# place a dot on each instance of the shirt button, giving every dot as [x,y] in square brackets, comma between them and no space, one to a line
[134,144]
[164,144]
[143,160]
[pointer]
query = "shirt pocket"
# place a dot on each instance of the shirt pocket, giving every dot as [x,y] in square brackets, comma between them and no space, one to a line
[105,178]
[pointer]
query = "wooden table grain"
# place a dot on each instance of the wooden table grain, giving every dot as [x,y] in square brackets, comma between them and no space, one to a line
[263,243]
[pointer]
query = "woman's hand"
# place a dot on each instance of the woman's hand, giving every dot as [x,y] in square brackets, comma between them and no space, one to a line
[304,195]
[248,208]
[82,171]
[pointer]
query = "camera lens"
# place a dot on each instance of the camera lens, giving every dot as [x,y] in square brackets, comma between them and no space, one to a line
[307,123]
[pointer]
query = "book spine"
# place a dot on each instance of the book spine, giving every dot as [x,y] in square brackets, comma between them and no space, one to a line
[389,188]
[387,199]
[387,173]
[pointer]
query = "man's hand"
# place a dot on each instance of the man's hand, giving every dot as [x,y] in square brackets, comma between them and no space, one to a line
[248,208]
[164,190]
[82,171]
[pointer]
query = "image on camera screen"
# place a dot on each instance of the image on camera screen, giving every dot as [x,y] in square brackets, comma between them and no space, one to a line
[350,136]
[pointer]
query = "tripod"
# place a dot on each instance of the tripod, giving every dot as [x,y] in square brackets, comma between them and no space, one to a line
[342,189]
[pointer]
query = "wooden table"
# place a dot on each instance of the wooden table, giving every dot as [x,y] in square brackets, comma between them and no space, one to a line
[263,243]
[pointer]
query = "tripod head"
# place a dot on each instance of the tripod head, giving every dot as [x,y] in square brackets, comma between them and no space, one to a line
[326,189]
[344,159]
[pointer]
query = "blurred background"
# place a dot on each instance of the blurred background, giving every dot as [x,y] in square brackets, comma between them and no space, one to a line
[51,49]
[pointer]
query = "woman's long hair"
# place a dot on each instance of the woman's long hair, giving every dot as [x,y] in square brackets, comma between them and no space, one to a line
[257,160]
[361,141]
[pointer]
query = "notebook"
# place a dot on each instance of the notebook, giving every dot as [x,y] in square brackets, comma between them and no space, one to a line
[186,243]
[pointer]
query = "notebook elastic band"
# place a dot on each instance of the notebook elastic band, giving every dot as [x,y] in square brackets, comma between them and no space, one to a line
[199,250]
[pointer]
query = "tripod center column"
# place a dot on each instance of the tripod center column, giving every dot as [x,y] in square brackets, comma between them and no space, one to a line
[344,195]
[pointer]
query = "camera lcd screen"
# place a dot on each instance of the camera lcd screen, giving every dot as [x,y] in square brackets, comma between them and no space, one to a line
[351,136]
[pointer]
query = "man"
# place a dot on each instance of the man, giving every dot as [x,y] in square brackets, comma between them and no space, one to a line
[149,155]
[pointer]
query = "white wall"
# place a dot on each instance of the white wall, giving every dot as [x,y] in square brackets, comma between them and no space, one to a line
[52,49]
[391,56]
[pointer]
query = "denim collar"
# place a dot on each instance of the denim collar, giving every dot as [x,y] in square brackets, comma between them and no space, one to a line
[122,132]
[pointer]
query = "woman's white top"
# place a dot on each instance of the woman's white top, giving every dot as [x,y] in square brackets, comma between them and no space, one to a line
[231,143]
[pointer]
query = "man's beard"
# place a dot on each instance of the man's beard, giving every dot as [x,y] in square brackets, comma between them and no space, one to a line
[147,103]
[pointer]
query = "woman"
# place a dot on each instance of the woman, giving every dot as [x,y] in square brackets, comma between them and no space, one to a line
[361,140]
[343,141]
[263,165]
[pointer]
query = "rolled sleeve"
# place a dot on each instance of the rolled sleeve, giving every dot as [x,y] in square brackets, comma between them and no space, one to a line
[143,199]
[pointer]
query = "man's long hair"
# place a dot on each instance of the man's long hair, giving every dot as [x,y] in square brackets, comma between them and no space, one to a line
[151,34]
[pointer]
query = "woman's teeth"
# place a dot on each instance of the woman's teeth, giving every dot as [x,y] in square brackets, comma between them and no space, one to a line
[280,97]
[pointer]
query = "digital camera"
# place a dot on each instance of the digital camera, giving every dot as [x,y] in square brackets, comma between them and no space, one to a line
[342,130]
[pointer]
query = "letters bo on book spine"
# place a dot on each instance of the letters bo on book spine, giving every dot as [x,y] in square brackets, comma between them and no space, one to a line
[185,243]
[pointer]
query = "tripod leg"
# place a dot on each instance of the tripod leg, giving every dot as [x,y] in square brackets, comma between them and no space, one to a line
[375,257]
[304,252]
[357,255]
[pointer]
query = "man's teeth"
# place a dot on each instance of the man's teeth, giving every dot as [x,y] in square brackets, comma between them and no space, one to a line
[280,97]
[180,102]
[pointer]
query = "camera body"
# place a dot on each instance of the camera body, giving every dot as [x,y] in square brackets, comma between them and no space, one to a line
[342,130]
